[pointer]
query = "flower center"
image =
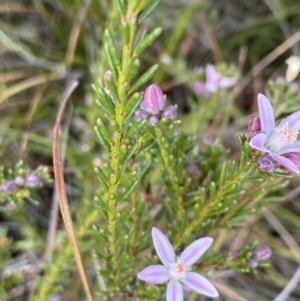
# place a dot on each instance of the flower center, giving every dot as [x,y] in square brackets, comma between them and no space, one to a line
[178,270]
[286,134]
[280,138]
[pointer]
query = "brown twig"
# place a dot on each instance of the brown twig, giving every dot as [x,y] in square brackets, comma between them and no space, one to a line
[212,40]
[33,106]
[61,189]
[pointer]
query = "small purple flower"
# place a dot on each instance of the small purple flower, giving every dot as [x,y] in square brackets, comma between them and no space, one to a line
[178,270]
[153,101]
[170,113]
[8,187]
[33,181]
[19,181]
[56,297]
[262,252]
[214,81]
[252,263]
[193,170]
[280,140]
[153,121]
[140,115]
[295,87]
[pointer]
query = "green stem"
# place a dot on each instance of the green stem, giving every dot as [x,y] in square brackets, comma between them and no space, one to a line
[117,140]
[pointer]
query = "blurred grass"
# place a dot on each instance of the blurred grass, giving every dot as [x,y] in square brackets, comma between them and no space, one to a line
[45,43]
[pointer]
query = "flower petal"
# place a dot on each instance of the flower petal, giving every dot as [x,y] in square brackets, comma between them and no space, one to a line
[293,121]
[199,89]
[210,72]
[212,78]
[195,250]
[227,82]
[291,147]
[164,249]
[154,274]
[200,284]
[287,163]
[174,291]
[258,142]
[266,114]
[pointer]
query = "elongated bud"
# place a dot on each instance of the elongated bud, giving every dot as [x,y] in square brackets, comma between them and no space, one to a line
[254,126]
[170,113]
[140,115]
[107,73]
[153,121]
[263,252]
[153,101]
[33,181]
[8,187]
[267,164]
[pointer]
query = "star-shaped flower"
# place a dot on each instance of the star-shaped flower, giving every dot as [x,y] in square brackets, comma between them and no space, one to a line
[277,141]
[214,81]
[178,270]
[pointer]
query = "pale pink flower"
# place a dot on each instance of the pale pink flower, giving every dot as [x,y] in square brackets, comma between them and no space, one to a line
[178,270]
[214,82]
[277,141]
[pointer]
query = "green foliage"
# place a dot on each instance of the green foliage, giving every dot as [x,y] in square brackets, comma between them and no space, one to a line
[191,177]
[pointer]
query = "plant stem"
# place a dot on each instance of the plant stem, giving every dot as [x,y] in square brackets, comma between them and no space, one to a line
[117,140]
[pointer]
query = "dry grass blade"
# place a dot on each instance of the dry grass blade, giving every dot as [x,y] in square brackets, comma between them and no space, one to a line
[285,235]
[227,292]
[61,189]
[75,33]
[26,84]
[290,42]
[292,284]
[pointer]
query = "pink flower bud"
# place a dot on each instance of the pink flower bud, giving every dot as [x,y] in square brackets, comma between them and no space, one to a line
[267,164]
[56,297]
[153,121]
[193,170]
[8,187]
[254,126]
[106,74]
[263,252]
[252,263]
[170,113]
[140,115]
[153,101]
[33,181]
[19,181]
